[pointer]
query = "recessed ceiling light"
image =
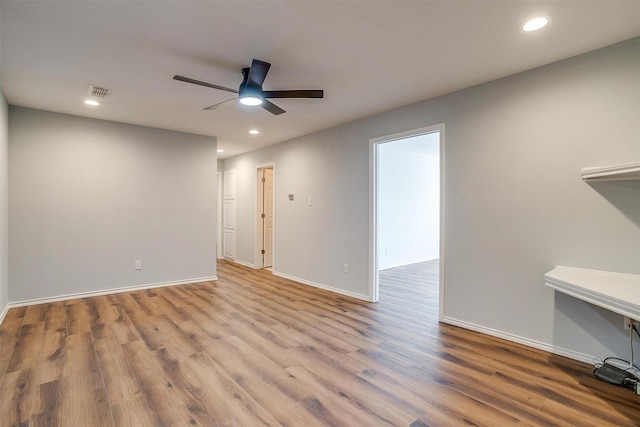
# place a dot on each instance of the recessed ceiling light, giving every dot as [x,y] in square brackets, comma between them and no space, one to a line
[220,150]
[91,102]
[254,131]
[535,23]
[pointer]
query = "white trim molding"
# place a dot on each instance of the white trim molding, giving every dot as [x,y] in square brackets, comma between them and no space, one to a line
[4,313]
[323,287]
[560,351]
[243,263]
[109,291]
[611,173]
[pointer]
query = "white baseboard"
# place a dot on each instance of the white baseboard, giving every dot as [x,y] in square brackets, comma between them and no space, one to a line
[402,264]
[560,351]
[108,291]
[4,313]
[324,287]
[246,264]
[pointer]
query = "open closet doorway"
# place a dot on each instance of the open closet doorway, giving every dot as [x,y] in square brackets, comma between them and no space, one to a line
[265,218]
[407,232]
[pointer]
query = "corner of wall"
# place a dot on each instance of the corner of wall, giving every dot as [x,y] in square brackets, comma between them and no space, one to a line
[4,207]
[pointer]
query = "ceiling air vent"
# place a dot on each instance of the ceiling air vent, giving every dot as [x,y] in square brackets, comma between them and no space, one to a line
[98,92]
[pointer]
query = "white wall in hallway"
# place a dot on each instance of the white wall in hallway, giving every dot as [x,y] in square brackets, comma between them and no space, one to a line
[408,200]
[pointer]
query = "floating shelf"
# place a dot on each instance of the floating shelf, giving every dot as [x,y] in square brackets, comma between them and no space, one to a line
[617,292]
[624,172]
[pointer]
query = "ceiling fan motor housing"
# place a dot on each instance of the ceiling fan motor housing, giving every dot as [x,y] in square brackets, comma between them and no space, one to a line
[248,89]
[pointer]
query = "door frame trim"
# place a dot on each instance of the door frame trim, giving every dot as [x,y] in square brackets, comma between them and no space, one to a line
[259,232]
[219,205]
[374,289]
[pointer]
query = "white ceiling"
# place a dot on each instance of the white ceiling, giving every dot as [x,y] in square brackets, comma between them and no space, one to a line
[368,56]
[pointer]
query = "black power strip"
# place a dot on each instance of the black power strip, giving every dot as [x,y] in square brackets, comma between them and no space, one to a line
[614,375]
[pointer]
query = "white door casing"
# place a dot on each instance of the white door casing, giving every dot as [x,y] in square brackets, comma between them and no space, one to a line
[268,218]
[219,232]
[373,210]
[229,214]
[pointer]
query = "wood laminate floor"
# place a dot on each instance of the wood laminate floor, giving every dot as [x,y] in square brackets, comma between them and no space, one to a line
[253,349]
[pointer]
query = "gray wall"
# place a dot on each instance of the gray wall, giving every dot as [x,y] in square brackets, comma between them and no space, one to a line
[515,203]
[312,243]
[89,197]
[4,205]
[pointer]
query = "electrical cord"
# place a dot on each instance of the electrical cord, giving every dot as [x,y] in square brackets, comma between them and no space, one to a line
[621,362]
[634,370]
[631,345]
[597,362]
[615,366]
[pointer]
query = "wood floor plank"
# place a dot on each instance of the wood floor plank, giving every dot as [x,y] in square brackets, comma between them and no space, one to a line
[389,408]
[345,409]
[266,382]
[119,382]
[35,314]
[133,412]
[16,397]
[53,356]
[255,349]
[9,331]
[147,301]
[16,313]
[78,319]
[240,405]
[27,348]
[156,388]
[104,314]
[84,396]
[56,316]
[47,410]
[185,384]
[260,343]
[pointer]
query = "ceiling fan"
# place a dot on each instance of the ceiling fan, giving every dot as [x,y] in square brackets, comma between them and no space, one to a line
[250,91]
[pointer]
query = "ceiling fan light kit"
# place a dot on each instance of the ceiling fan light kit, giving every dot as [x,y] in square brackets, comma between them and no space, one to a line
[250,100]
[250,91]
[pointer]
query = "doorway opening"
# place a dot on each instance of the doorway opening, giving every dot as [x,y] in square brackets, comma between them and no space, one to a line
[407,209]
[265,217]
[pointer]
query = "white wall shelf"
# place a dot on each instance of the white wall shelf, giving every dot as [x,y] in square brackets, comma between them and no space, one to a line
[617,292]
[624,172]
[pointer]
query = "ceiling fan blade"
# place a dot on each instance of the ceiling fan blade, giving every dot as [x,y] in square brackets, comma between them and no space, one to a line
[293,93]
[201,83]
[219,104]
[258,72]
[271,107]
